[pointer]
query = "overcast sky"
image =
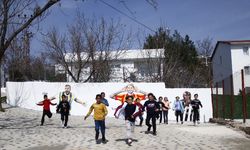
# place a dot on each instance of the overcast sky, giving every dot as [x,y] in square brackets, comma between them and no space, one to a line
[218,19]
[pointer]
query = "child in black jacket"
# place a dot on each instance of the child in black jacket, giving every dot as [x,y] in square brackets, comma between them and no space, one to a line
[196,103]
[152,108]
[64,108]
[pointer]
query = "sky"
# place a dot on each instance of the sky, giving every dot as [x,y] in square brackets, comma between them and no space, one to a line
[217,19]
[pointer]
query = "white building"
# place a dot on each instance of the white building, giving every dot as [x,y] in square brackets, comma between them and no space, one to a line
[131,65]
[229,58]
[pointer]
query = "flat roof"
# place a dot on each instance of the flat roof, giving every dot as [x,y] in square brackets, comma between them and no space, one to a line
[125,54]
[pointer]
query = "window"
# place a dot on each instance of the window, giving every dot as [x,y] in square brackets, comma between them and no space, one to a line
[247,70]
[117,66]
[245,50]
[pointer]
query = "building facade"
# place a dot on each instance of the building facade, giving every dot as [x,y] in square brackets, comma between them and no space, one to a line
[229,58]
[139,65]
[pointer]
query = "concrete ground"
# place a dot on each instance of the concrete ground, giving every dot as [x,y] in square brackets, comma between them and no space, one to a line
[20,130]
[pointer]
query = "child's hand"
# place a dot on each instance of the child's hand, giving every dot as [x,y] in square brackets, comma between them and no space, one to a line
[52,98]
[83,103]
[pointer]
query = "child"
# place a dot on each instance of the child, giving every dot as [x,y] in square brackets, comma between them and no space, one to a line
[46,108]
[162,106]
[100,112]
[165,109]
[137,103]
[64,108]
[152,108]
[179,109]
[130,111]
[196,103]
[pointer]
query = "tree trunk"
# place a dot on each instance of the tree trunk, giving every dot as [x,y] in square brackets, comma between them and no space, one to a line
[1,108]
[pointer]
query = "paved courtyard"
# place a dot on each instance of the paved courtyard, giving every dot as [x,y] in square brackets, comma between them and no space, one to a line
[20,130]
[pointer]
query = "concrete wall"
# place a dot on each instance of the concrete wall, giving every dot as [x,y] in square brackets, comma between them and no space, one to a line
[27,94]
[239,61]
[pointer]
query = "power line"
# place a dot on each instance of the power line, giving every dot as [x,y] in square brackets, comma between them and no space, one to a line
[126,6]
[121,12]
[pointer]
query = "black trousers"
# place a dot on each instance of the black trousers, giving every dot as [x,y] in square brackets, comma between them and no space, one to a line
[179,113]
[186,115]
[141,119]
[65,117]
[160,115]
[196,116]
[153,118]
[46,113]
[191,114]
[165,116]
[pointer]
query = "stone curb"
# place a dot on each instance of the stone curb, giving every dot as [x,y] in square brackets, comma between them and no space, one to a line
[238,125]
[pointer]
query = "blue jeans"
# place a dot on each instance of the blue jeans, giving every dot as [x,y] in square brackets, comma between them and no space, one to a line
[100,124]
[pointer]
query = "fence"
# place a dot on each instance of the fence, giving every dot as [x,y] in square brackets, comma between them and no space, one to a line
[231,97]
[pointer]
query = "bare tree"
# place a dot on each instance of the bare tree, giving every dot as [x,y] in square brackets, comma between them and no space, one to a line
[17,58]
[151,65]
[88,48]
[10,16]
[205,48]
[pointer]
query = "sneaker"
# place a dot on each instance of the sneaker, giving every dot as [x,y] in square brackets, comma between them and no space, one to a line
[198,122]
[62,123]
[65,127]
[154,133]
[194,123]
[104,140]
[149,129]
[129,141]
[182,122]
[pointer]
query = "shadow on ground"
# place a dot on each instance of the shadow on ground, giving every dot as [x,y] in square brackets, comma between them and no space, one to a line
[45,147]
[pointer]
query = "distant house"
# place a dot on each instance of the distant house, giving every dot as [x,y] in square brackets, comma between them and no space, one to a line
[229,58]
[138,65]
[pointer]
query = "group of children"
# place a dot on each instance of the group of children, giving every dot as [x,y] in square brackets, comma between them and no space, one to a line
[187,105]
[63,108]
[129,111]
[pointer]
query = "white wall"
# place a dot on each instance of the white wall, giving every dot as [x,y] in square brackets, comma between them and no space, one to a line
[239,60]
[3,92]
[27,94]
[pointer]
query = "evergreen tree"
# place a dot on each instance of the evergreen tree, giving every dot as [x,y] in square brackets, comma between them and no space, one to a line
[182,67]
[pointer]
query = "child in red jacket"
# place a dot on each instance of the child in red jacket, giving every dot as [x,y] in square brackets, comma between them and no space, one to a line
[137,103]
[46,108]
